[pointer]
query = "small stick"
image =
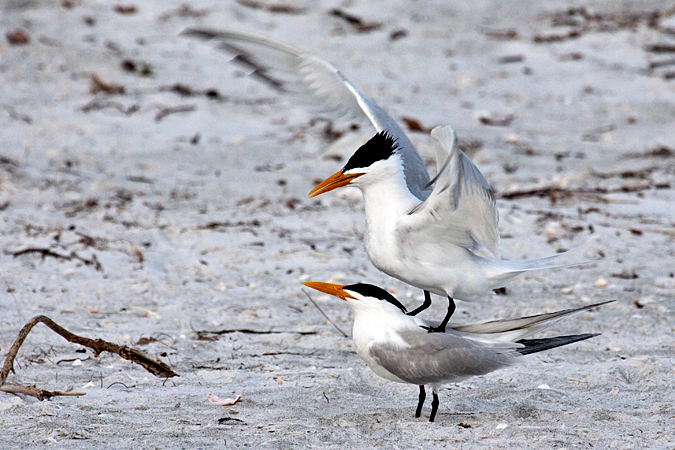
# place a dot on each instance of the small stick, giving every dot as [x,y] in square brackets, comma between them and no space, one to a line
[324,314]
[47,252]
[155,367]
[40,394]
[173,110]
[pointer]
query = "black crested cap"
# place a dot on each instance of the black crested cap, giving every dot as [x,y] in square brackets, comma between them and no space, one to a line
[379,147]
[368,290]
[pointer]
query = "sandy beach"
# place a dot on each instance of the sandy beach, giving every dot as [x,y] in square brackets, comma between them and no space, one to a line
[154,195]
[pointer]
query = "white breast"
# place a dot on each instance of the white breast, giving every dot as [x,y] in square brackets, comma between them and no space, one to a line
[377,325]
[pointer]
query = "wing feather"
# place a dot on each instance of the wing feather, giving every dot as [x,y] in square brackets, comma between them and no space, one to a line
[437,357]
[515,329]
[461,208]
[318,84]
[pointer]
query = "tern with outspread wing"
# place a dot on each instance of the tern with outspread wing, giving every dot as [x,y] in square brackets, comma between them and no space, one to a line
[423,232]
[431,243]
[398,347]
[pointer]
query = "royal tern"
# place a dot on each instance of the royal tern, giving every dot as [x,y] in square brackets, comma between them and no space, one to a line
[430,243]
[422,232]
[397,346]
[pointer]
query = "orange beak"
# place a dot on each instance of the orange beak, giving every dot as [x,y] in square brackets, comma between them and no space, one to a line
[334,181]
[328,288]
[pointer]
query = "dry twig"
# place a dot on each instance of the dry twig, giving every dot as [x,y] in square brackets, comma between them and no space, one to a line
[173,110]
[555,193]
[272,7]
[155,367]
[209,335]
[358,23]
[47,252]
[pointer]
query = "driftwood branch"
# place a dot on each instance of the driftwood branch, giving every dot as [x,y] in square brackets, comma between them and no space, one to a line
[554,193]
[212,335]
[155,367]
[47,252]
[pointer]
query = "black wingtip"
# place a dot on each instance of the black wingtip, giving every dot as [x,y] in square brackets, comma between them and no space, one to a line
[539,345]
[241,56]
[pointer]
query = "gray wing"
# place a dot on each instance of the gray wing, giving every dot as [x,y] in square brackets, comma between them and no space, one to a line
[461,207]
[510,330]
[317,83]
[440,357]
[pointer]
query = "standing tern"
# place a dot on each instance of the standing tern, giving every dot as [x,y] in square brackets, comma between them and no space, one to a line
[423,232]
[397,346]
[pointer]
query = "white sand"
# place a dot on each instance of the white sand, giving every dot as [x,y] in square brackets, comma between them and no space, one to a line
[139,196]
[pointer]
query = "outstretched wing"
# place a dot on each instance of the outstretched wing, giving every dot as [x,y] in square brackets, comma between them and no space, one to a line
[515,329]
[433,358]
[317,83]
[461,209]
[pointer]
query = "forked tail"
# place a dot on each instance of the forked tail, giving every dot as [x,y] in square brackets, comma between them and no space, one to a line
[539,345]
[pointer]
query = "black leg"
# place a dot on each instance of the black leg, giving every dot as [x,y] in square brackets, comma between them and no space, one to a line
[425,305]
[448,315]
[423,395]
[434,407]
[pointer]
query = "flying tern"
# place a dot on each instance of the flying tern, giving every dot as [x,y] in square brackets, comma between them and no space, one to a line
[423,232]
[398,347]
